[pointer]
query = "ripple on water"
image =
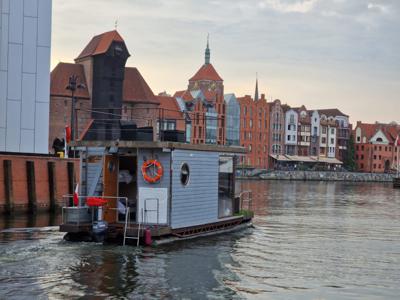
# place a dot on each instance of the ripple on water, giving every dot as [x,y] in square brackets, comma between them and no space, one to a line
[310,241]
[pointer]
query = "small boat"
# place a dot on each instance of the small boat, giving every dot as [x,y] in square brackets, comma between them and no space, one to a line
[152,192]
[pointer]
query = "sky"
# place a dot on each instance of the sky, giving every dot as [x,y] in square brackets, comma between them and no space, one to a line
[321,53]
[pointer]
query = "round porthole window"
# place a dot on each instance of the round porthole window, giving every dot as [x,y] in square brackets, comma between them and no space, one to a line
[185,174]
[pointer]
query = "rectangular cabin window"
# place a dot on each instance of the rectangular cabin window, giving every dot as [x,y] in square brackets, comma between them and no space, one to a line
[188,132]
[226,187]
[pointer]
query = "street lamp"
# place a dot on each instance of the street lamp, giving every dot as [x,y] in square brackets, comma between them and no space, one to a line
[73,85]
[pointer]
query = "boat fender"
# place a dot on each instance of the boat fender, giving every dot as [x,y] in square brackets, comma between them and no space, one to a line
[147,237]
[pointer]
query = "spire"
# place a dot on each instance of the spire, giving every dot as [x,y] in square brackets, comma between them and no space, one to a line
[256,92]
[207,54]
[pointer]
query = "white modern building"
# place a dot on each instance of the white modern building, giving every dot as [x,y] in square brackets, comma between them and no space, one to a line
[25,39]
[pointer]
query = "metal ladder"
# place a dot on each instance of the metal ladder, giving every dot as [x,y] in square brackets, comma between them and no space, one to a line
[127,222]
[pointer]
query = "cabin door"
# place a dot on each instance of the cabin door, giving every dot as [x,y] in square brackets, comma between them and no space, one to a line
[110,186]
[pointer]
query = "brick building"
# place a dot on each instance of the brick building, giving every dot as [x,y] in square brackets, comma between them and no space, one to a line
[124,94]
[203,102]
[376,147]
[254,130]
[170,115]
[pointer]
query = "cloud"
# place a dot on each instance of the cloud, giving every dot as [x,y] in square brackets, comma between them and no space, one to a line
[377,7]
[343,53]
[298,6]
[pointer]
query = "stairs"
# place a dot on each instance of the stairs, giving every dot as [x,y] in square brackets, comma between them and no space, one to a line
[127,229]
[91,164]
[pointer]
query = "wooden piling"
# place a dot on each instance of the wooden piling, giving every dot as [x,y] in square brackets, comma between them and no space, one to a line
[52,185]
[30,172]
[8,187]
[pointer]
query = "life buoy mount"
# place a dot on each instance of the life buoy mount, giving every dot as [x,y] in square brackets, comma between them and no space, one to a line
[149,175]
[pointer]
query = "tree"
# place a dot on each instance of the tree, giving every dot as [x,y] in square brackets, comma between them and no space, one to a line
[349,162]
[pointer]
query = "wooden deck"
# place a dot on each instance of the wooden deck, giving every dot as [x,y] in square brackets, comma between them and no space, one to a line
[160,145]
[116,230]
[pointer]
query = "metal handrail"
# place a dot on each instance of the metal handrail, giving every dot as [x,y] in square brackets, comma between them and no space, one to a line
[249,199]
[82,204]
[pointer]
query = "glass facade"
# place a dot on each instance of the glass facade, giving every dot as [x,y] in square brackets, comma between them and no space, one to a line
[232,121]
[211,126]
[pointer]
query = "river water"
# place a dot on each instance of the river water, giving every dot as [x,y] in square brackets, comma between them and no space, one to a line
[310,241]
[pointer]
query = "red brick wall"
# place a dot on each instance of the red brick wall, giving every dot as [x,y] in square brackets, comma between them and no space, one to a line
[372,158]
[256,112]
[143,114]
[60,116]
[19,180]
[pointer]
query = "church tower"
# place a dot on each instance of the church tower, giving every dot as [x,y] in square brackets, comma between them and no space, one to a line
[207,78]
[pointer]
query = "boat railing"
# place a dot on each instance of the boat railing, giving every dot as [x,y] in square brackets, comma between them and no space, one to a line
[81,213]
[246,200]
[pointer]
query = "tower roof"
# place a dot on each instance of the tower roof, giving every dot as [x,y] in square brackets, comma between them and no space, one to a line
[206,72]
[207,52]
[99,44]
[256,91]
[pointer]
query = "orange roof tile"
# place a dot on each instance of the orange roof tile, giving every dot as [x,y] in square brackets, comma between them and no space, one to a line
[368,130]
[170,108]
[59,80]
[392,131]
[185,95]
[100,44]
[179,93]
[206,72]
[136,89]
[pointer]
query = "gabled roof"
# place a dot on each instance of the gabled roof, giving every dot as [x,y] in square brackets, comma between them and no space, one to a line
[184,95]
[332,112]
[100,44]
[169,108]
[209,96]
[179,93]
[367,130]
[59,80]
[392,132]
[135,88]
[206,72]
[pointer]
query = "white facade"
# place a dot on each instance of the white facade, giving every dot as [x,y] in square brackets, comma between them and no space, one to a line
[291,121]
[331,140]
[315,121]
[25,39]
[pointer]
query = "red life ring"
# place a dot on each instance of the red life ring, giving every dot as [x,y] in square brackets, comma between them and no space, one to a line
[159,170]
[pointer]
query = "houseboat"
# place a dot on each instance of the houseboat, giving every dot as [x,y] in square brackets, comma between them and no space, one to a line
[143,175]
[154,192]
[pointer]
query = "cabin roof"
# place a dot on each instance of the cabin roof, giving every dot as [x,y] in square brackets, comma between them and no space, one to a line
[160,145]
